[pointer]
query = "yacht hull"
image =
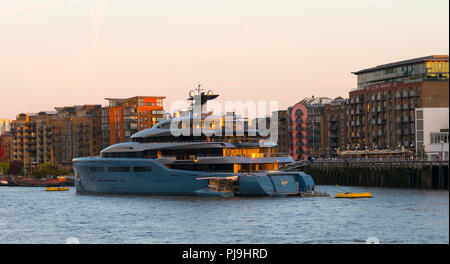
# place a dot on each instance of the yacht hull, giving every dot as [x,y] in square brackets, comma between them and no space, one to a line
[94,175]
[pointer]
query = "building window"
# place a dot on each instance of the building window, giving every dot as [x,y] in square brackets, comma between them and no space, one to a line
[419,114]
[436,138]
[420,136]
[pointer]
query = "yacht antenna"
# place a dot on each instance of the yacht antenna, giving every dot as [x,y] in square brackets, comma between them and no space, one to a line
[199,89]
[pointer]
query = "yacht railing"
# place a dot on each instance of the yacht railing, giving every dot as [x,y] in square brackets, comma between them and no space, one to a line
[257,155]
[202,141]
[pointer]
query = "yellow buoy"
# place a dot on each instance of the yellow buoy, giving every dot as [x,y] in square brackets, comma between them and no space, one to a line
[57,189]
[353,195]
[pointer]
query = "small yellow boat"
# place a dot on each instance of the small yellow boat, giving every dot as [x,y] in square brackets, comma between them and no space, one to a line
[353,195]
[48,189]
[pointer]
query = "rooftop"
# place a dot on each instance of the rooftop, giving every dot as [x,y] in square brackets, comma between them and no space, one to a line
[120,100]
[405,62]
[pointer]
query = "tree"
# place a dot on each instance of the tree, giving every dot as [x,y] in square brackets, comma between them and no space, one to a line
[46,169]
[4,167]
[15,167]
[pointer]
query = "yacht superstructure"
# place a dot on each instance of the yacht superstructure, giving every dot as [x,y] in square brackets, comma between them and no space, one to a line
[162,160]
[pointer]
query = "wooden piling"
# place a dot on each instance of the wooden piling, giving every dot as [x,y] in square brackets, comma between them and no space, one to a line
[422,175]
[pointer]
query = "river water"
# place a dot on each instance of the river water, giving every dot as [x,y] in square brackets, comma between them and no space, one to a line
[31,215]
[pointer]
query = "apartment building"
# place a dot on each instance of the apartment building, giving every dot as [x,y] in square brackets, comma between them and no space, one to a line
[334,126]
[381,110]
[306,127]
[78,132]
[56,136]
[130,115]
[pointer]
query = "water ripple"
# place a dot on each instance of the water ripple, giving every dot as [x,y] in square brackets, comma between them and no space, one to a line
[31,215]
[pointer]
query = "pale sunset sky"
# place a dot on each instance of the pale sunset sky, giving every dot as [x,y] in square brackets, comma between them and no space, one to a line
[69,52]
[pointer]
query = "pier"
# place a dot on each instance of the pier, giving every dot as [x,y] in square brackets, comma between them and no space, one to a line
[395,174]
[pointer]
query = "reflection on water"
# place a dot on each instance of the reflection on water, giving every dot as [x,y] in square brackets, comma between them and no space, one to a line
[31,215]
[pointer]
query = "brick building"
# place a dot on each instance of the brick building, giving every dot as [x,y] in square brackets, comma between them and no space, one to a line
[307,127]
[334,126]
[56,136]
[5,139]
[381,109]
[130,115]
[77,133]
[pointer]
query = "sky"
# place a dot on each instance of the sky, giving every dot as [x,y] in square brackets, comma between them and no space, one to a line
[70,52]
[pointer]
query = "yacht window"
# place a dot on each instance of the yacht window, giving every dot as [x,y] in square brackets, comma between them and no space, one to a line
[97,169]
[118,169]
[142,169]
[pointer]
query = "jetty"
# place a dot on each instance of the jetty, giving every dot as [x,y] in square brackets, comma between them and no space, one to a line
[385,173]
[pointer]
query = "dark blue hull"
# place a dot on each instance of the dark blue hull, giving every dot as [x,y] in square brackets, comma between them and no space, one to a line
[94,175]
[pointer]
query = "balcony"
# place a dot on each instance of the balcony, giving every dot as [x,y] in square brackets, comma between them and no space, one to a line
[333,127]
[333,135]
[32,149]
[333,119]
